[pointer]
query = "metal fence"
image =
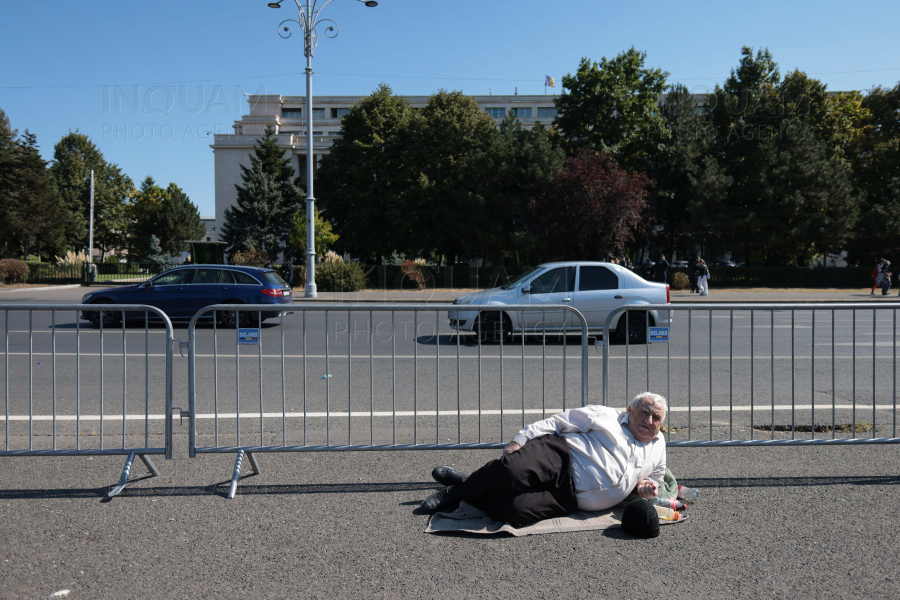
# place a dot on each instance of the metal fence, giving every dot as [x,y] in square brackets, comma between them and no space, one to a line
[66,383]
[765,374]
[372,377]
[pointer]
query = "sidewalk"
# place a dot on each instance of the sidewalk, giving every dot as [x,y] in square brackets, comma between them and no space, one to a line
[444,296]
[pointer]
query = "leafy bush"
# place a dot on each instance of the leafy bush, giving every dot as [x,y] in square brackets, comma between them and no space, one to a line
[250,258]
[411,270]
[334,276]
[13,271]
[680,281]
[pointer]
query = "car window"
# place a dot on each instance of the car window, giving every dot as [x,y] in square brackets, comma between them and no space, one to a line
[242,278]
[273,277]
[206,276]
[180,277]
[225,277]
[518,281]
[555,280]
[597,278]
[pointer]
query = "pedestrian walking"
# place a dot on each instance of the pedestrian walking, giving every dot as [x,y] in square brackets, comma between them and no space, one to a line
[287,271]
[703,279]
[694,276]
[876,275]
[662,268]
[886,278]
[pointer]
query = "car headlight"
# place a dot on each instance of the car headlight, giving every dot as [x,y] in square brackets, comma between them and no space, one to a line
[85,298]
[458,301]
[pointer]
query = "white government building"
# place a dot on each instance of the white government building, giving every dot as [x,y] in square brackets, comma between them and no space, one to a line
[286,115]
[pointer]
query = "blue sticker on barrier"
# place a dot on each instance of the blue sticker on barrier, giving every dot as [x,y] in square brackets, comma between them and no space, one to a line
[249,337]
[659,334]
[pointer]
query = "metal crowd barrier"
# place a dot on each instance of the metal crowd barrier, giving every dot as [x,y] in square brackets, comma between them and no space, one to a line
[67,411]
[392,394]
[766,380]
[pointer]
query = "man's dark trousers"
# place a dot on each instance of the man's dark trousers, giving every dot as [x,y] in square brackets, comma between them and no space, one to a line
[531,484]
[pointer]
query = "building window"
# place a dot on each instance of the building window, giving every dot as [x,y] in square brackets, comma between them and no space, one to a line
[318,113]
[315,133]
[207,239]
[496,113]
[337,113]
[334,133]
[522,113]
[547,112]
[292,113]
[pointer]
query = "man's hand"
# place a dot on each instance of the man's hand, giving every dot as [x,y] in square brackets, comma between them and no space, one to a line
[647,488]
[510,448]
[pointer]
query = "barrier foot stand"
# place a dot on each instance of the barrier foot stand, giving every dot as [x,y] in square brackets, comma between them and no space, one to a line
[123,480]
[253,464]
[236,475]
[149,464]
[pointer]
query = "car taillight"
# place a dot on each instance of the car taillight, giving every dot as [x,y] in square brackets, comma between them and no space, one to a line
[668,296]
[273,293]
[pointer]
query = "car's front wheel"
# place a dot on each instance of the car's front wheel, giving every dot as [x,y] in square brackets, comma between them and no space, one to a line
[110,318]
[492,327]
[636,327]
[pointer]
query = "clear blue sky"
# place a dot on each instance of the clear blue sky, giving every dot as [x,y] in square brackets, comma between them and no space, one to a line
[57,58]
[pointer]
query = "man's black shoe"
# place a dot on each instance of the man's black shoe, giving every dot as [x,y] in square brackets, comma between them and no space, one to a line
[447,475]
[440,500]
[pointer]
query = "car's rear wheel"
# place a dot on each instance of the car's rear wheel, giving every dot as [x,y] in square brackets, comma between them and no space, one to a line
[637,327]
[493,326]
[110,318]
[232,319]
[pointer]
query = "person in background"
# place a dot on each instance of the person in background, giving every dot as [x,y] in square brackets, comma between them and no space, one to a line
[876,275]
[886,278]
[268,264]
[287,271]
[696,271]
[703,280]
[662,268]
[647,268]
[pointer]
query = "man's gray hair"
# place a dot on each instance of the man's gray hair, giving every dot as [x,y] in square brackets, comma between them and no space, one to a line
[653,398]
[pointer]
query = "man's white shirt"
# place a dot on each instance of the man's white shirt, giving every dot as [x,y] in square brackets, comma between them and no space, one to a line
[607,460]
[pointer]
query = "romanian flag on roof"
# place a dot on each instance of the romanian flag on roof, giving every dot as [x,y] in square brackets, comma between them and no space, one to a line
[549,81]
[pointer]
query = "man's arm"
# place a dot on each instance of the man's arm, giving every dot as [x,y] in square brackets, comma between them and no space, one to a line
[576,420]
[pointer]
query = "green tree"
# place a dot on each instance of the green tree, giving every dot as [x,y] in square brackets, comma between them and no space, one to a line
[74,156]
[266,203]
[438,152]
[155,254]
[167,214]
[875,160]
[325,237]
[612,106]
[512,165]
[361,181]
[791,198]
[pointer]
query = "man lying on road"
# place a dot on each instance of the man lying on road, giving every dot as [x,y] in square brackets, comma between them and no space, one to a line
[587,458]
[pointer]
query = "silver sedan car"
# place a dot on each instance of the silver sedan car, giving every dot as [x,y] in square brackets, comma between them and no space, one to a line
[593,288]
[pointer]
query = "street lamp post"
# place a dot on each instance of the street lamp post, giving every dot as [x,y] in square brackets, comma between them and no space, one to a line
[308,19]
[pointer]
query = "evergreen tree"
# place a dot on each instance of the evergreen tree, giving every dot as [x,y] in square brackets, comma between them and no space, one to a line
[74,156]
[36,219]
[154,254]
[9,158]
[266,203]
[167,214]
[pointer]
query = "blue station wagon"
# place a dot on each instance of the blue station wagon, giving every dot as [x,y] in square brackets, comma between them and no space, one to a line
[183,291]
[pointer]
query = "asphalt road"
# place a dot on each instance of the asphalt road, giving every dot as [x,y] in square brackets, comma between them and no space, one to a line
[773,522]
